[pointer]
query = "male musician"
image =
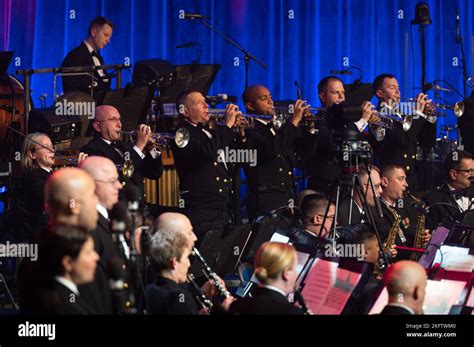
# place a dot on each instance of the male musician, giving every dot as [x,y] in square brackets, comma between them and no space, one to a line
[270,182]
[399,146]
[406,286]
[394,187]
[107,187]
[107,143]
[316,229]
[87,54]
[204,173]
[322,167]
[358,213]
[453,198]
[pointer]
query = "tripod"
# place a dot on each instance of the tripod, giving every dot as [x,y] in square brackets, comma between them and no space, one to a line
[355,154]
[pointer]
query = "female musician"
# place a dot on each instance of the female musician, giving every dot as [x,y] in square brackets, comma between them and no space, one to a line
[275,267]
[66,260]
[37,160]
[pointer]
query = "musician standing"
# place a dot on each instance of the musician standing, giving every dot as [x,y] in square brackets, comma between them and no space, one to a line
[87,53]
[399,146]
[270,181]
[322,167]
[204,174]
[454,197]
[107,143]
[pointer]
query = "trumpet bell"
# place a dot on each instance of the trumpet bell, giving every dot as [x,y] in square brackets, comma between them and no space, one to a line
[182,137]
[407,123]
[458,109]
[128,169]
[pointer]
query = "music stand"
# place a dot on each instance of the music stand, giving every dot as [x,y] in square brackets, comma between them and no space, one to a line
[461,234]
[357,93]
[222,249]
[197,77]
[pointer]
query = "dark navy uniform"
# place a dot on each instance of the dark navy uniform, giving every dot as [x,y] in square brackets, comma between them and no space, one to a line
[204,177]
[270,182]
[148,167]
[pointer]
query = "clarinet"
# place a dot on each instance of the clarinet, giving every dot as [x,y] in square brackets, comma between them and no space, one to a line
[211,275]
[299,298]
[202,300]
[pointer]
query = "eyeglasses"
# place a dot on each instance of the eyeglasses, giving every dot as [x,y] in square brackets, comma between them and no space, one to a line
[111,181]
[328,216]
[113,119]
[469,171]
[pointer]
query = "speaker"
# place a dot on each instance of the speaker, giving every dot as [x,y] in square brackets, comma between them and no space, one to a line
[151,71]
[59,127]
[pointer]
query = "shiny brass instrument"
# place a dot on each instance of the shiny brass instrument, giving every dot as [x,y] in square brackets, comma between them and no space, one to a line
[217,117]
[432,109]
[420,230]
[392,235]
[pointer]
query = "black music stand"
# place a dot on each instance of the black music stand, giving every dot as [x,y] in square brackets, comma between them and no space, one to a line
[197,77]
[461,234]
[222,249]
[357,93]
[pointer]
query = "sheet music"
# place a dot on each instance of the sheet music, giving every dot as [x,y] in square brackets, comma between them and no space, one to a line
[276,237]
[440,297]
[455,259]
[327,287]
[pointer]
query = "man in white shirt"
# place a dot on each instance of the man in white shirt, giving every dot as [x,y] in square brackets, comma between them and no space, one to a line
[87,54]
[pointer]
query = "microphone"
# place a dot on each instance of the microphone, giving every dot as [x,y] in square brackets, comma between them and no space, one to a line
[194,16]
[132,194]
[221,98]
[341,72]
[119,223]
[458,27]
[187,44]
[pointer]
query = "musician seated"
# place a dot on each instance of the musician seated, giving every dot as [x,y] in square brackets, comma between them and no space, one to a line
[87,53]
[107,187]
[362,235]
[358,213]
[37,160]
[66,260]
[406,285]
[451,200]
[270,182]
[322,167]
[275,268]
[394,188]
[171,246]
[313,236]
[107,143]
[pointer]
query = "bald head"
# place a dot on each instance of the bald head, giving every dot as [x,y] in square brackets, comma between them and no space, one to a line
[406,283]
[175,222]
[70,198]
[104,172]
[107,122]
[258,100]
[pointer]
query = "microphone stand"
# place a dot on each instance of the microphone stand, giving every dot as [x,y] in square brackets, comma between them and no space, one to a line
[247,55]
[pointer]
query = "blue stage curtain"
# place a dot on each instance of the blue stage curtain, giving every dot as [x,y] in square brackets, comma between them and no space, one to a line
[298,39]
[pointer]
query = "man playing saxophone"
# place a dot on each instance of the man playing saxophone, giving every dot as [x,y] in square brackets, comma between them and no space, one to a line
[401,221]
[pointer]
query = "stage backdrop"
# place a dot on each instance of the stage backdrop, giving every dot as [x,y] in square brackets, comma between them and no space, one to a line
[298,39]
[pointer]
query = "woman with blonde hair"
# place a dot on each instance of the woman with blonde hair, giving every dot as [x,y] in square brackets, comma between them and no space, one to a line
[275,268]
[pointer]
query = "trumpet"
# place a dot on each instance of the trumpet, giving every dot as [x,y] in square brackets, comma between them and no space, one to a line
[217,116]
[431,115]
[387,121]
[162,140]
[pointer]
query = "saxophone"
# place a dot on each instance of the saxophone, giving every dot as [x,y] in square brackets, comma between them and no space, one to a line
[390,240]
[418,243]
